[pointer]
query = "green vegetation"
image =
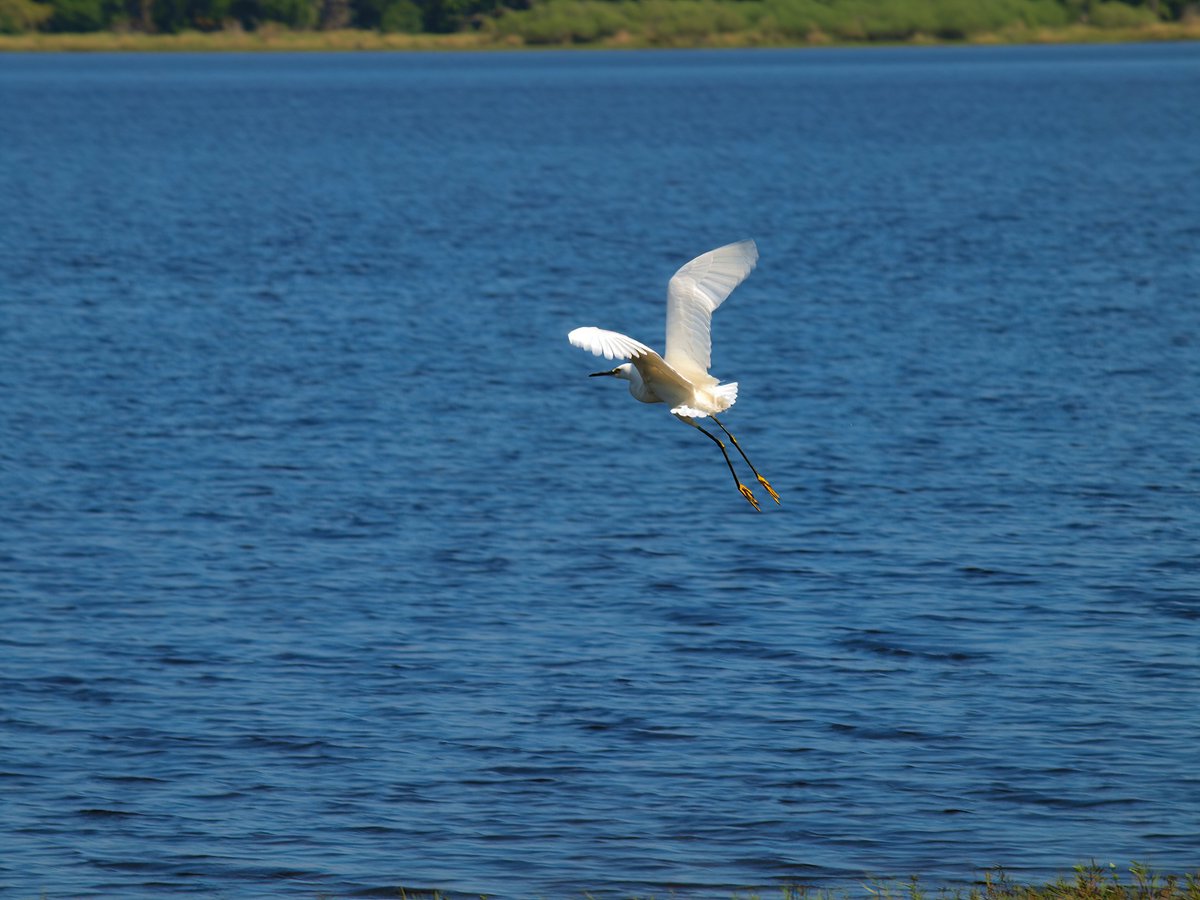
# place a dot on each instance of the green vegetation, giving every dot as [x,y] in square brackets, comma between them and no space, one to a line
[1091,882]
[383,24]
[668,21]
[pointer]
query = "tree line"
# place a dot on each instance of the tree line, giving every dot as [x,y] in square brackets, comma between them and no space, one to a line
[172,16]
[581,21]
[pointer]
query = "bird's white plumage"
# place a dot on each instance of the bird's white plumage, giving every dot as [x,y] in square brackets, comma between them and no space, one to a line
[694,292]
[680,378]
[609,344]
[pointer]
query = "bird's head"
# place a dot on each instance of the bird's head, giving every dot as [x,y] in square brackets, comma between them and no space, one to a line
[621,372]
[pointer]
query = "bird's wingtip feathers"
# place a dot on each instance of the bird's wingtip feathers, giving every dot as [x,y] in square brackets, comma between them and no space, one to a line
[750,248]
[609,344]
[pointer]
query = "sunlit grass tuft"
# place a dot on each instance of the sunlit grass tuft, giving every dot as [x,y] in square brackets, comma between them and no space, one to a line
[1089,882]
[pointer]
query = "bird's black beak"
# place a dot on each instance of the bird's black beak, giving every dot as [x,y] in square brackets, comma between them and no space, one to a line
[598,374]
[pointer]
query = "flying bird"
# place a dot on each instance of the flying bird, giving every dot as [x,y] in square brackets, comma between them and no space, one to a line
[680,377]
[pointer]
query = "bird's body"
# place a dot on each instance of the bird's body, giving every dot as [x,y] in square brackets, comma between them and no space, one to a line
[652,380]
[680,378]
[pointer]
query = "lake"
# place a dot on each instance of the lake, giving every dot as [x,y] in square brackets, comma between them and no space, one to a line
[326,571]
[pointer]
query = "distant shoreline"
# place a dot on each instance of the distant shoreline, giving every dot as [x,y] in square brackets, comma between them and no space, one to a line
[278,39]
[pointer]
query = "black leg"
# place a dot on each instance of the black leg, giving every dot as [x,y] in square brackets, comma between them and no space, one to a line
[745,491]
[738,447]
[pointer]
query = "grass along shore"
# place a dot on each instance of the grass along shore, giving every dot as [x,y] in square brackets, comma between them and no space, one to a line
[278,39]
[1089,882]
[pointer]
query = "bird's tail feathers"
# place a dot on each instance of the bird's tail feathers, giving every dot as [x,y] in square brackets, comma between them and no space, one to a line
[725,395]
[715,399]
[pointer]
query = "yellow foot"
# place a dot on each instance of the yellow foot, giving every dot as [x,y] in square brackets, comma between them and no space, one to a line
[770,490]
[749,496]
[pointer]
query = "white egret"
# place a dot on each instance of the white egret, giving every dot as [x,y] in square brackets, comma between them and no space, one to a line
[680,378]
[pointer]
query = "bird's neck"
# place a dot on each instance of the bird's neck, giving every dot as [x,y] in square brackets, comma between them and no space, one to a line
[639,389]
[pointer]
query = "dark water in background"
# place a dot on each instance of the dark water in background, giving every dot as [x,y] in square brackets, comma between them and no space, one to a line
[325,570]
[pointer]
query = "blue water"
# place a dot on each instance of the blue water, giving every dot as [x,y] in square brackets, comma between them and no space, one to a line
[325,571]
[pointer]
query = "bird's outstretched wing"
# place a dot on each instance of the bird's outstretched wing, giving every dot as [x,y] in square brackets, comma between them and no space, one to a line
[609,344]
[694,292]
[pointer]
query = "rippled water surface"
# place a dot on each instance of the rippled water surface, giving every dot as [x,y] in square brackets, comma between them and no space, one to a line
[325,571]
